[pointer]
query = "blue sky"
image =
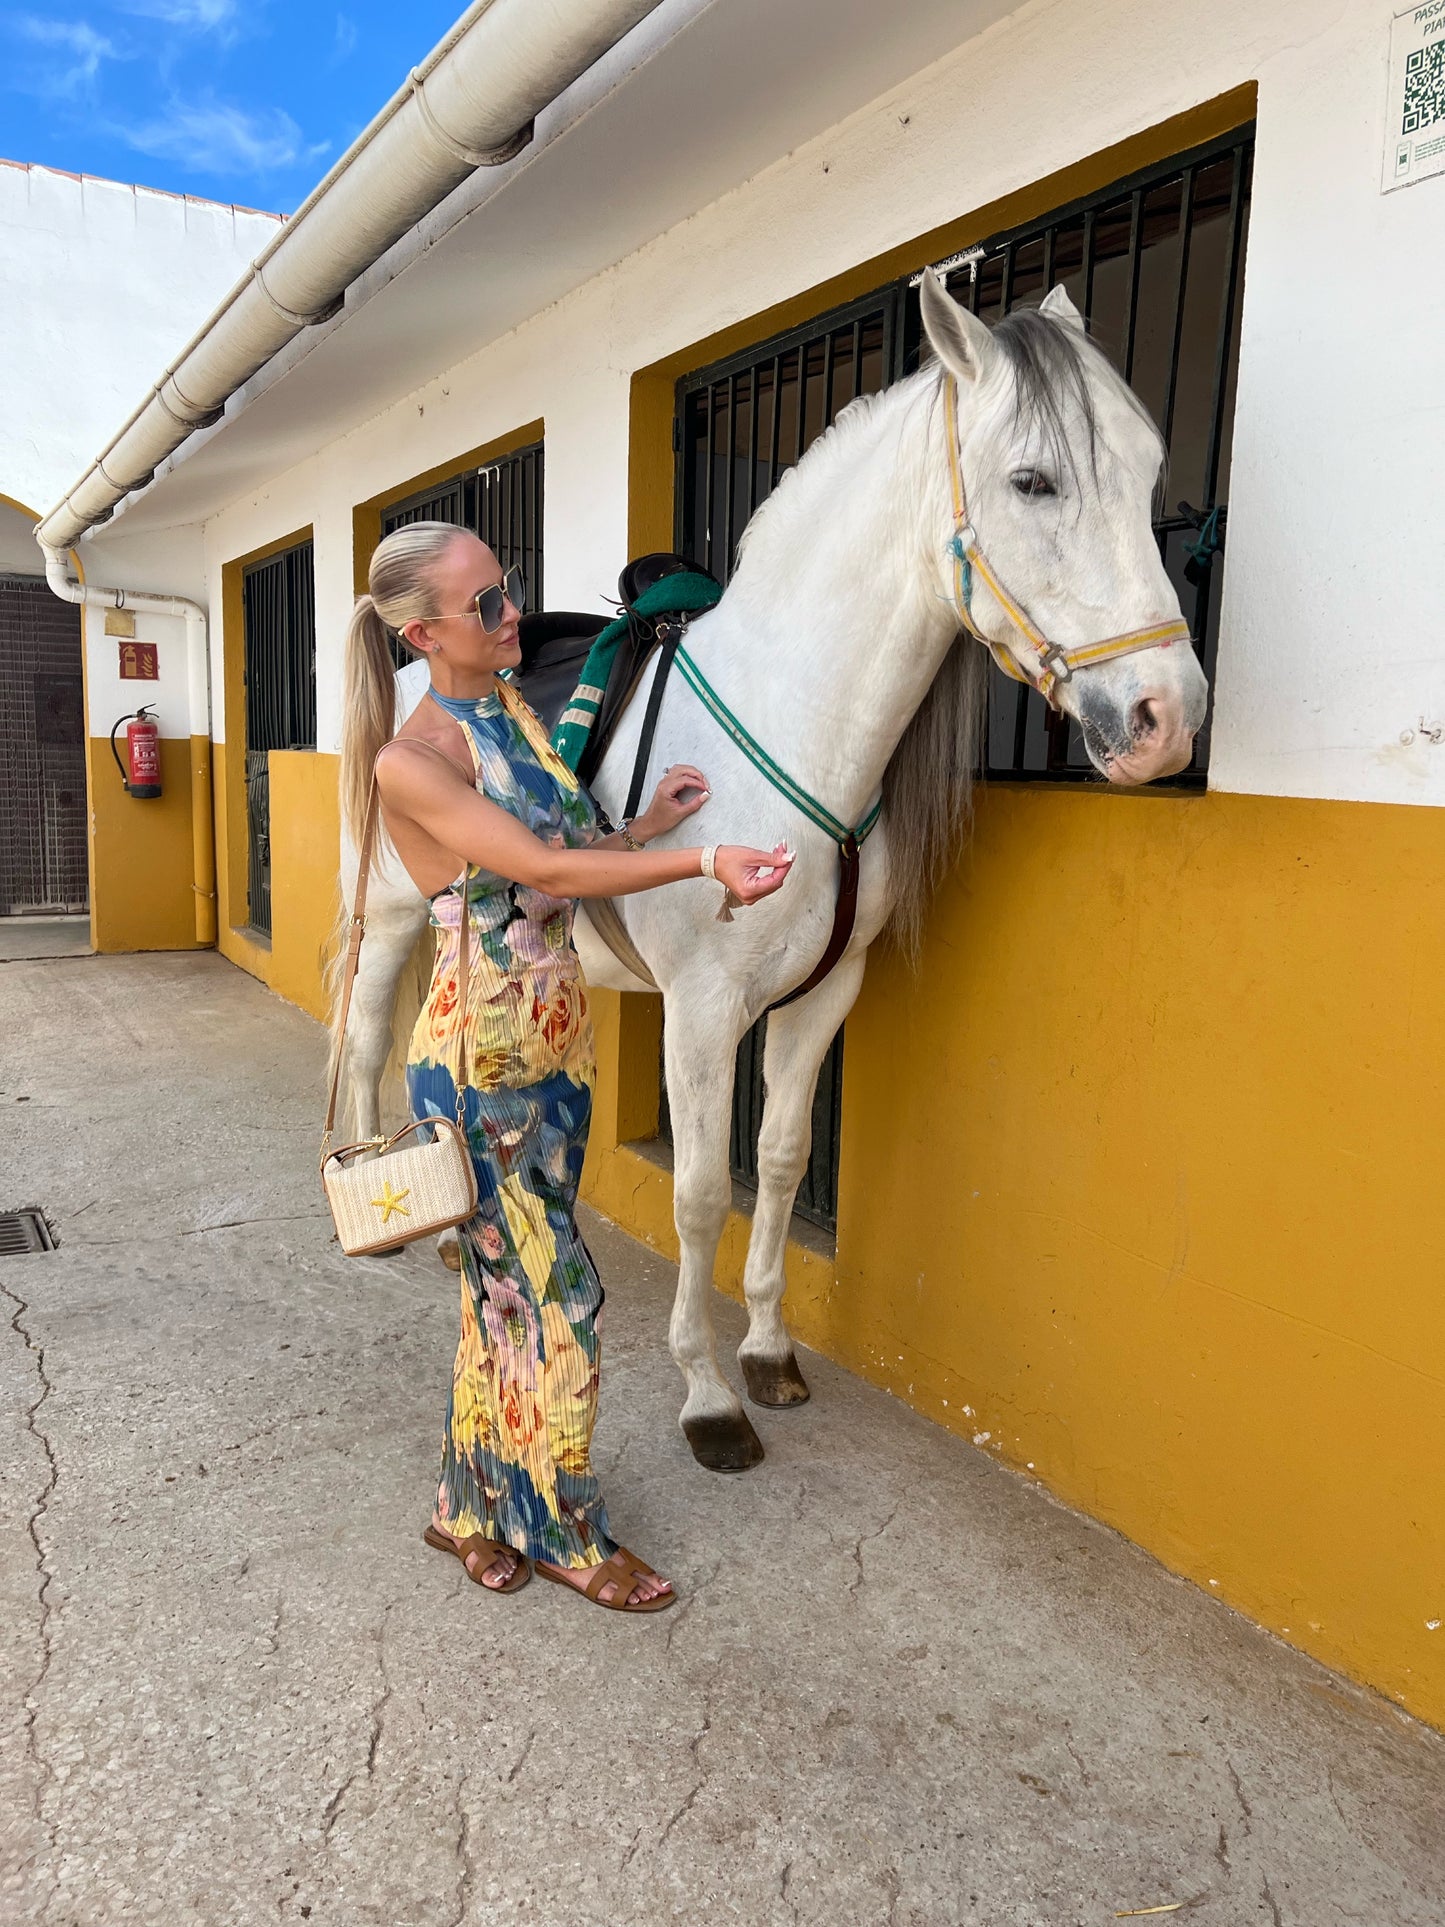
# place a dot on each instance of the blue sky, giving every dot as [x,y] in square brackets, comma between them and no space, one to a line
[237,100]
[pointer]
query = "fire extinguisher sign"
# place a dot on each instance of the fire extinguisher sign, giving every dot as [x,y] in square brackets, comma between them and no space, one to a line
[139,662]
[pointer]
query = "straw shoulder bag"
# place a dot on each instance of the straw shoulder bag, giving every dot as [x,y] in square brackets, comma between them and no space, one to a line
[410,1189]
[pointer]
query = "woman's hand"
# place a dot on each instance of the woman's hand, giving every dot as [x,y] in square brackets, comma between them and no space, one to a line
[752,874]
[682,790]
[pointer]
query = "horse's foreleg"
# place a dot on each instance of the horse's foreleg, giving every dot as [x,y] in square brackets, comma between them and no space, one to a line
[798,1040]
[701,1056]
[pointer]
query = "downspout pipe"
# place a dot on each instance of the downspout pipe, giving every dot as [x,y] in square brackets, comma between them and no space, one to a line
[470,104]
[198,705]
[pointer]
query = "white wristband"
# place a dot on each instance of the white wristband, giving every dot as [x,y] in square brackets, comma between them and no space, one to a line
[709,861]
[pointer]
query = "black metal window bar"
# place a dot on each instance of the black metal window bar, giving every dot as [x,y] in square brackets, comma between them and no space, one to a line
[279,600]
[741,426]
[502,503]
[1155,265]
[43,860]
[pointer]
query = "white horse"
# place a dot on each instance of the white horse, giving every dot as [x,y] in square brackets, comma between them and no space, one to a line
[837,645]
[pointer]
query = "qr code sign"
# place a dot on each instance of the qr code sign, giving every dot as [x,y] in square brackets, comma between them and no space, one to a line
[1424,87]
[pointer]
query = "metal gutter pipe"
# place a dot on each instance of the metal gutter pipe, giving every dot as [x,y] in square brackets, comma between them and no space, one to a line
[198,694]
[470,104]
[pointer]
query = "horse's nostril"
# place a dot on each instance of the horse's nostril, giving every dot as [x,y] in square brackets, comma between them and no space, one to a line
[1144,720]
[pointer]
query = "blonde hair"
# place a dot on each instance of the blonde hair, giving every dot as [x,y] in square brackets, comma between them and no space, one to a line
[401,590]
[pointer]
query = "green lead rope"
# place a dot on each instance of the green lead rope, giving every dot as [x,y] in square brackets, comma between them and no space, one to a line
[761,761]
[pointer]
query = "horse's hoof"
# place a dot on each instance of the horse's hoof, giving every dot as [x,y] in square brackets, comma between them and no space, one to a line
[724,1444]
[774,1381]
[449,1250]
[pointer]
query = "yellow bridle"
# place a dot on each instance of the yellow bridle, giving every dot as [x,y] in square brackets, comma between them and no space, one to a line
[1054,664]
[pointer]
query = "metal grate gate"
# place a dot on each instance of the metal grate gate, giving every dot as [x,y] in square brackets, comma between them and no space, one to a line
[1155,265]
[280,655]
[502,503]
[741,426]
[43,860]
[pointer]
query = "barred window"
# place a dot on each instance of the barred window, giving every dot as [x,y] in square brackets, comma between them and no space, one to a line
[501,502]
[1155,265]
[279,604]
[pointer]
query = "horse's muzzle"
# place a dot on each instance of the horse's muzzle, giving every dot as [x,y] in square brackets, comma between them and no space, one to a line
[1157,740]
[1141,733]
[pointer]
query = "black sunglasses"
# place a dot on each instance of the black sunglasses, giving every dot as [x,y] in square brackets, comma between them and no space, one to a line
[488,604]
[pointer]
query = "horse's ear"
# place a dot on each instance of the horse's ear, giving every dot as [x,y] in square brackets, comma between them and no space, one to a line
[1058,307]
[960,340]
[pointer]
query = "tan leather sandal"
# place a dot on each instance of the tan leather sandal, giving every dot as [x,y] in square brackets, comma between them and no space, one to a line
[623,1570]
[488,1552]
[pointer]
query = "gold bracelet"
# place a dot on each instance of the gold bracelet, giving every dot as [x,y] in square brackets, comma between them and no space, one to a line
[624,830]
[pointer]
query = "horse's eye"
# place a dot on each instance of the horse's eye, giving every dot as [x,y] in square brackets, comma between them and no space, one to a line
[1031,482]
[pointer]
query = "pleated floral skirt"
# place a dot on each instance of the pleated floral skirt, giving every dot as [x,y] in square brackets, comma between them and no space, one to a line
[516,1450]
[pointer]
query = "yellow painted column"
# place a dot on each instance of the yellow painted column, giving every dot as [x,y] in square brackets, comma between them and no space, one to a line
[141,854]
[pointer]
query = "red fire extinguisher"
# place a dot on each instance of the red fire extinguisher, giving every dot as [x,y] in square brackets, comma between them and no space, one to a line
[141,771]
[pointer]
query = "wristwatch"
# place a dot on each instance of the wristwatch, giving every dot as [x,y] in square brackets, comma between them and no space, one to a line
[624,830]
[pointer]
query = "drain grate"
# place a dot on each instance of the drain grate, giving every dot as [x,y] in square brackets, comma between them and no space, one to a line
[24,1231]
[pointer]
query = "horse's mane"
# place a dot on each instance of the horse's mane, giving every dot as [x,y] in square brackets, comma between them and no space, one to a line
[1052,363]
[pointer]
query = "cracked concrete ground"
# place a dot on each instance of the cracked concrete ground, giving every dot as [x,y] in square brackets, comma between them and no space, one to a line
[903,1687]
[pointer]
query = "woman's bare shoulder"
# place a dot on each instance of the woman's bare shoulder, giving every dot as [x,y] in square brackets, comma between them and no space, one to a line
[442,742]
[429,723]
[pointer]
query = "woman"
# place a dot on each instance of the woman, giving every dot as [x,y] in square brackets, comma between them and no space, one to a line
[480,809]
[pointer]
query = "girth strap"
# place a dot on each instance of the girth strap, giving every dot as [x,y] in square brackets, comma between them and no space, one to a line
[669,638]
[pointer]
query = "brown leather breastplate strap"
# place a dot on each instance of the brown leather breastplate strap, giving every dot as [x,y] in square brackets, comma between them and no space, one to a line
[844,916]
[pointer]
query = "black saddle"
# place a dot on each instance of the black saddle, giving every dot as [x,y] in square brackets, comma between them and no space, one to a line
[633,653]
[555,646]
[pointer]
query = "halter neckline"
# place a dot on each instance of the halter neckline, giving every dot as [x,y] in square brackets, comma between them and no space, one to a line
[465,708]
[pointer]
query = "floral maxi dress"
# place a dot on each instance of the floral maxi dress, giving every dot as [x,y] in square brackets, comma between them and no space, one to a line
[516,1460]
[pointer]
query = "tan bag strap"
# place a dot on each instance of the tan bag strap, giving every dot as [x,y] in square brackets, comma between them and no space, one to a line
[357,931]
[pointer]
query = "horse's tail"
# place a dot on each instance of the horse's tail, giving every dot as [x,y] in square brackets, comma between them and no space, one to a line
[333,970]
[412,979]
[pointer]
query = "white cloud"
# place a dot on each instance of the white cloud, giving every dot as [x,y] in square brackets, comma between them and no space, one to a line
[207,15]
[215,138]
[346,37]
[86,49]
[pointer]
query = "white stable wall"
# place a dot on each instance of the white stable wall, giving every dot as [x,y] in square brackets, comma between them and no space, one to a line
[171,562]
[100,284]
[1335,577]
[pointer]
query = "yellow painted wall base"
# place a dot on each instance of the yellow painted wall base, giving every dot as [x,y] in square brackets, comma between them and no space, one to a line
[1139,1187]
[141,860]
[305,837]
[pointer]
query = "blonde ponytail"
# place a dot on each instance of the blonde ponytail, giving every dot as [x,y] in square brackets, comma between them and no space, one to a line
[400,591]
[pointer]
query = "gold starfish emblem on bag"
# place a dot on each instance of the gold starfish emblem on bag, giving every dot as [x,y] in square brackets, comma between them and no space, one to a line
[390,1201]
